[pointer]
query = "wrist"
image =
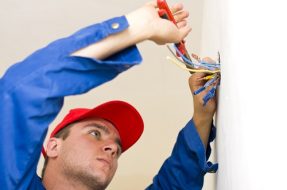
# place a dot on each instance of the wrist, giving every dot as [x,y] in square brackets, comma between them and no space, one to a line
[138,26]
[201,119]
[203,126]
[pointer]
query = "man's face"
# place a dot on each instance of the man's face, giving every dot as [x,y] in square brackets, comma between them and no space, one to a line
[91,151]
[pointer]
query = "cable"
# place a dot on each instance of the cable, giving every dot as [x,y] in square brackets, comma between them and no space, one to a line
[213,71]
[181,65]
[199,64]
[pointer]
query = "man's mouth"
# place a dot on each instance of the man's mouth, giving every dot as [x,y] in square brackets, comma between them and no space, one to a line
[105,161]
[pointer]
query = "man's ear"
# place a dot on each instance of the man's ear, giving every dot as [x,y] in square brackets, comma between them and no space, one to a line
[53,147]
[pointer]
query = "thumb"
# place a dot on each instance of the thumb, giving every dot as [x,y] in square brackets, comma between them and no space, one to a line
[184,31]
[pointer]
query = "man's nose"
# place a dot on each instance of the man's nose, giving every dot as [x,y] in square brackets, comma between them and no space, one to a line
[111,148]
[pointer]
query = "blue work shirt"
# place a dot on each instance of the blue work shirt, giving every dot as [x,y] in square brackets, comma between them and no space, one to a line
[32,94]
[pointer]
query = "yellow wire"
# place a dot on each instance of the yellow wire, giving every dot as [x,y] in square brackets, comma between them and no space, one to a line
[181,65]
[208,77]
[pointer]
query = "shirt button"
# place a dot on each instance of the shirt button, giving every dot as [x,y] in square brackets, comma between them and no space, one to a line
[115,25]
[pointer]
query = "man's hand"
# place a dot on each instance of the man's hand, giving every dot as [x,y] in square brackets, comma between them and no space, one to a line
[144,24]
[203,114]
[154,28]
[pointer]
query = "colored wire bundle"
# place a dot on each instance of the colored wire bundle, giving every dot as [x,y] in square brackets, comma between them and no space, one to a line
[199,66]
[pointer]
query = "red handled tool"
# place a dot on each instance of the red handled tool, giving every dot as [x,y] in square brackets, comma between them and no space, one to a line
[164,12]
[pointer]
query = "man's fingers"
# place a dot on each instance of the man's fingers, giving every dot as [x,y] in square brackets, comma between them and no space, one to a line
[181,16]
[181,24]
[185,31]
[194,81]
[176,7]
[208,60]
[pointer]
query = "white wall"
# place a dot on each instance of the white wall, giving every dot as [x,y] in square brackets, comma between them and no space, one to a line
[157,88]
[251,36]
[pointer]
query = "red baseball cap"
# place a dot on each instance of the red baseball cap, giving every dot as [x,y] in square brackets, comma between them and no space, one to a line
[122,115]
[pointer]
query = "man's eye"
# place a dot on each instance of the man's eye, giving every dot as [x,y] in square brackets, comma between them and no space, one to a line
[97,134]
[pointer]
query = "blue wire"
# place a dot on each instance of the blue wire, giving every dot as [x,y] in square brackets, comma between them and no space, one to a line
[199,90]
[210,94]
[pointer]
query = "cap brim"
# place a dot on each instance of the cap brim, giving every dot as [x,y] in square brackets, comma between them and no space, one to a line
[124,117]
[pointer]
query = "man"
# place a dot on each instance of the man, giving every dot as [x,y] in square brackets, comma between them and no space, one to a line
[83,150]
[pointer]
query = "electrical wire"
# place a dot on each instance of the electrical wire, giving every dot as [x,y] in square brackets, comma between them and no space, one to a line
[189,68]
[182,65]
[213,71]
[200,63]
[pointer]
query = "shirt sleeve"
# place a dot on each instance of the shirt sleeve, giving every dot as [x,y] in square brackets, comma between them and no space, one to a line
[187,165]
[32,94]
